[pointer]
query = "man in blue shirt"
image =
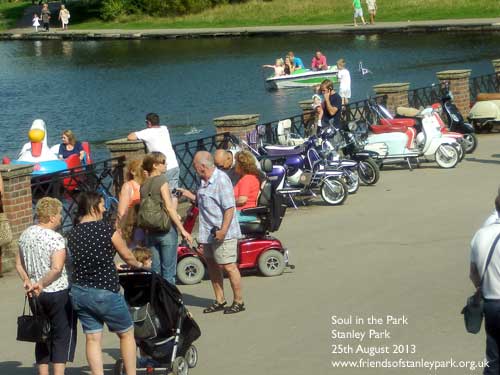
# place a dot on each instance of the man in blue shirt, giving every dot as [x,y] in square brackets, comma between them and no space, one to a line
[297,61]
[218,230]
[332,104]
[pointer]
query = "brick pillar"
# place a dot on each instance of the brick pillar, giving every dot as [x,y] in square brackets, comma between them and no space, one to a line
[307,111]
[131,150]
[459,86]
[237,125]
[17,204]
[397,94]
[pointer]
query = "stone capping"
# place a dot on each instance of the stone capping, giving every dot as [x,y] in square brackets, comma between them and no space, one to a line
[496,65]
[10,171]
[305,105]
[122,144]
[453,74]
[236,120]
[391,88]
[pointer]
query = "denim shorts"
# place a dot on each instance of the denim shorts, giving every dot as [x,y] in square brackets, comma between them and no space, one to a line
[173,177]
[95,307]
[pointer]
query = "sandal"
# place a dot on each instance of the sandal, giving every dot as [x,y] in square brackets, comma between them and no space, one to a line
[235,308]
[215,307]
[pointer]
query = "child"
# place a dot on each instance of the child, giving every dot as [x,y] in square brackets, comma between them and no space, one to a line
[372,9]
[345,82]
[36,22]
[279,68]
[358,11]
[143,255]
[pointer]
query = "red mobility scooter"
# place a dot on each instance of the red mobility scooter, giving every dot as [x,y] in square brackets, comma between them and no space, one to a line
[256,250]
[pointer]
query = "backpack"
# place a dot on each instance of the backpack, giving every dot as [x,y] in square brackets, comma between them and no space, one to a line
[152,215]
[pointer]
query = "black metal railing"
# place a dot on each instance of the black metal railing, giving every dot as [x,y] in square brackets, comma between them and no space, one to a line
[425,96]
[485,83]
[267,132]
[105,177]
[360,111]
[185,153]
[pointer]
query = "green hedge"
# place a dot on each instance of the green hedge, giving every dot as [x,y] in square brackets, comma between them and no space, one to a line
[112,9]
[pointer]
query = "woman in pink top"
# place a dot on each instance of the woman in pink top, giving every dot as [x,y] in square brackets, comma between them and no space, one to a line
[246,191]
[319,62]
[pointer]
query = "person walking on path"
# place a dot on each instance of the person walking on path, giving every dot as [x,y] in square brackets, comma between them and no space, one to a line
[45,14]
[95,290]
[218,231]
[40,264]
[157,139]
[64,17]
[345,82]
[481,244]
[372,9]
[358,12]
[36,22]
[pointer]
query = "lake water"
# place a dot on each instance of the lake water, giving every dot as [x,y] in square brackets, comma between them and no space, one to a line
[103,89]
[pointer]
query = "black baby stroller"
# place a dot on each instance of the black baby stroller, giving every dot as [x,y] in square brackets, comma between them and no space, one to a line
[163,328]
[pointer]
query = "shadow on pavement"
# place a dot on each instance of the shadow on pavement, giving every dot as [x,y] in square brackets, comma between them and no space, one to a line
[190,300]
[484,161]
[15,367]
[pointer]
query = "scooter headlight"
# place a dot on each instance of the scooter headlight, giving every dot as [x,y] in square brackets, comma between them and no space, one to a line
[454,117]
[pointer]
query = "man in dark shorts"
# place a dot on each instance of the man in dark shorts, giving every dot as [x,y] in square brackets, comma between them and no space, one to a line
[332,104]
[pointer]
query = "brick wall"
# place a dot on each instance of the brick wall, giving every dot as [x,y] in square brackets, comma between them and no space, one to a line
[397,94]
[238,125]
[459,86]
[17,204]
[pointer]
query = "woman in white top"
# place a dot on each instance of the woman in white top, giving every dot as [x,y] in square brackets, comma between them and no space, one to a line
[40,264]
[345,82]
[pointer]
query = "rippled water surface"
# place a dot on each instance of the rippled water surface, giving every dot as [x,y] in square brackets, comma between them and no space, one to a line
[103,89]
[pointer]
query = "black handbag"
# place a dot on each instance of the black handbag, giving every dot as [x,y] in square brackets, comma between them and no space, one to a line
[473,310]
[34,327]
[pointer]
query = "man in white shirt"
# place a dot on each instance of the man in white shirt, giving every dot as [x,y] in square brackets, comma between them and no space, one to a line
[157,138]
[480,248]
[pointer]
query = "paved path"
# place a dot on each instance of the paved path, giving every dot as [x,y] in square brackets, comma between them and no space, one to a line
[400,247]
[486,24]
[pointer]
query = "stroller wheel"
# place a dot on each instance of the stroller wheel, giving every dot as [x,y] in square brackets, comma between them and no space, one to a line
[118,368]
[191,356]
[180,366]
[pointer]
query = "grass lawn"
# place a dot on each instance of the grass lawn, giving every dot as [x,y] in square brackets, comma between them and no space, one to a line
[10,13]
[272,13]
[305,12]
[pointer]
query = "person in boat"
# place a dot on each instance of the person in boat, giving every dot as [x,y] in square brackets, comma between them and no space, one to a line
[332,104]
[297,61]
[319,62]
[289,66]
[246,191]
[70,146]
[279,67]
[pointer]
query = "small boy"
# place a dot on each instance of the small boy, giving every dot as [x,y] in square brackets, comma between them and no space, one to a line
[358,11]
[143,255]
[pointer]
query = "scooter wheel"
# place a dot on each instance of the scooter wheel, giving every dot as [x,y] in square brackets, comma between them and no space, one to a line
[368,172]
[446,156]
[190,270]
[271,263]
[470,142]
[333,191]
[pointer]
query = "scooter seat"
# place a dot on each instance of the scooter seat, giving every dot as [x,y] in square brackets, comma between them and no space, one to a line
[396,122]
[407,111]
[253,227]
[284,150]
[384,127]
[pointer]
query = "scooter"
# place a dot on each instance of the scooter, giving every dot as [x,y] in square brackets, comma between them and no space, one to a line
[485,113]
[456,121]
[399,145]
[257,249]
[336,143]
[307,172]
